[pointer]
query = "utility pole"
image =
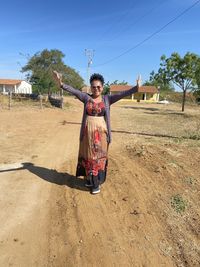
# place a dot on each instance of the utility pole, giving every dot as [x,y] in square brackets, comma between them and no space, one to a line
[89,54]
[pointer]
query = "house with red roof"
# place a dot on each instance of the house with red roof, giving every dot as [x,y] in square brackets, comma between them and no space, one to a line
[15,86]
[144,93]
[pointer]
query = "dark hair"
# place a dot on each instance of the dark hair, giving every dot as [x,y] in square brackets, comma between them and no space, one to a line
[96,77]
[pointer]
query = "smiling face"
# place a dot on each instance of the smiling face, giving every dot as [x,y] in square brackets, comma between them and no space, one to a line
[96,88]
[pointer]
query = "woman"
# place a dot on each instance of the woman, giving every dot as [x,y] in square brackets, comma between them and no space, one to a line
[95,134]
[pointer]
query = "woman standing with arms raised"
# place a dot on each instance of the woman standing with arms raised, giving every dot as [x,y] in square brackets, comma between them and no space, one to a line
[95,133]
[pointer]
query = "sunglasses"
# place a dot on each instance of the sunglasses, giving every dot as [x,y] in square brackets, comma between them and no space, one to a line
[98,87]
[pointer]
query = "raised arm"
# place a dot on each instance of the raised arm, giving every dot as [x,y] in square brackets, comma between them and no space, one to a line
[80,95]
[117,97]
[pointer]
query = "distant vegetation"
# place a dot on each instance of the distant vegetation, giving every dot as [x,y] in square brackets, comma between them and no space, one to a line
[183,72]
[39,71]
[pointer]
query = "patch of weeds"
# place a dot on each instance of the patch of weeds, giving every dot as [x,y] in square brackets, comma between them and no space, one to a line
[190,180]
[178,203]
[178,140]
[194,132]
[194,136]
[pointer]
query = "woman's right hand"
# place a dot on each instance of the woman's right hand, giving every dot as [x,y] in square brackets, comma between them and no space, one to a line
[58,78]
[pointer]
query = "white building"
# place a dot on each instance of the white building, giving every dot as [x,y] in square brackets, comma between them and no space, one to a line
[16,86]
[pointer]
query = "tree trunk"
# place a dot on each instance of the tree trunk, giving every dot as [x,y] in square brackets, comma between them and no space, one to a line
[183,102]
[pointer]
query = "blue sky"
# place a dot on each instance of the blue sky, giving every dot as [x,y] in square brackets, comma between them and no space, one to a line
[108,27]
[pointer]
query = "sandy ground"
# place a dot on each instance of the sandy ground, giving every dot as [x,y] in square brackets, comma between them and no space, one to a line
[47,216]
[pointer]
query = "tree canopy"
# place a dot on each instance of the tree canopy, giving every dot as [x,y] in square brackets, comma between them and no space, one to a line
[197,74]
[181,71]
[39,71]
[159,80]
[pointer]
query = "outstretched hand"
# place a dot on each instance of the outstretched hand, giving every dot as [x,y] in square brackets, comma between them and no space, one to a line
[58,78]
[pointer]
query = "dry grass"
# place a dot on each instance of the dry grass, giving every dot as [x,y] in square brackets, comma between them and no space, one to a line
[156,119]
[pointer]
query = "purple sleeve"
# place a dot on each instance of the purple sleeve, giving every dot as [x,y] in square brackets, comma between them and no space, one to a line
[116,97]
[80,95]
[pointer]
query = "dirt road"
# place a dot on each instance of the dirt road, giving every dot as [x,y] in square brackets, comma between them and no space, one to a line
[47,216]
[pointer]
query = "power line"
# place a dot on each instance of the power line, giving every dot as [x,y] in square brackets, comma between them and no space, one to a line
[149,37]
[118,21]
[138,20]
[130,25]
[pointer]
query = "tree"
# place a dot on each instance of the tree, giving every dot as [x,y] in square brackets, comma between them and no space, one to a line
[159,80]
[197,89]
[180,71]
[40,67]
[106,88]
[119,83]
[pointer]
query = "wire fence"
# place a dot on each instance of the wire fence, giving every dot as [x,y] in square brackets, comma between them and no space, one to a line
[13,100]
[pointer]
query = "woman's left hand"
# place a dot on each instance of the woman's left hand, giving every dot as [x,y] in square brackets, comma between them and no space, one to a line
[57,77]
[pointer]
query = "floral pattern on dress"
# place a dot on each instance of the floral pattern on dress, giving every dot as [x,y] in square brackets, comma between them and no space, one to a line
[95,109]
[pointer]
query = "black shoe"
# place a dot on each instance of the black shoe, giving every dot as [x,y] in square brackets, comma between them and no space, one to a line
[88,183]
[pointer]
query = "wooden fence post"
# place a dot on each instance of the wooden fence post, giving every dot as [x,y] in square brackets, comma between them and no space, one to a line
[10,99]
[40,98]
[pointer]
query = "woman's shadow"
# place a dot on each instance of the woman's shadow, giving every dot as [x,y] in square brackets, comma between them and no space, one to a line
[52,176]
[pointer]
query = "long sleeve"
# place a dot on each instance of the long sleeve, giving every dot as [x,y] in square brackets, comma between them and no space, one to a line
[80,95]
[117,97]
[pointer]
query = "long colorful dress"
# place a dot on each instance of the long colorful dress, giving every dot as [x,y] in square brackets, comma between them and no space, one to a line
[95,133]
[93,148]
